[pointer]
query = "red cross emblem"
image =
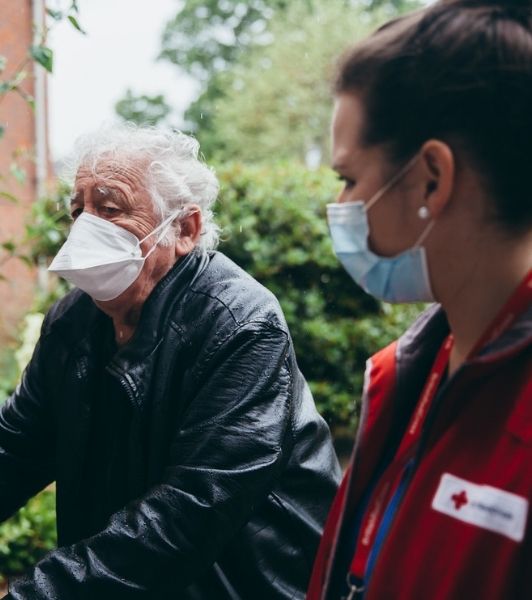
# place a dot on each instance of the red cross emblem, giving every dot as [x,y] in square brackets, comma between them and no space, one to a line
[459,499]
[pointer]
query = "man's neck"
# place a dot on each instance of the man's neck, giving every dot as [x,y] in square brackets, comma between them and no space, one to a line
[123,333]
[124,321]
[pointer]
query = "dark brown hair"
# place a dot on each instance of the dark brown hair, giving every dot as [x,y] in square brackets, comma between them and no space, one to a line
[461,71]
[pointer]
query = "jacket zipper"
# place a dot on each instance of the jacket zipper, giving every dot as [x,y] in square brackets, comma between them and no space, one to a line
[124,383]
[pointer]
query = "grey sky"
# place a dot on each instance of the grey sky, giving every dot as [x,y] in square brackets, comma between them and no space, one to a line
[92,72]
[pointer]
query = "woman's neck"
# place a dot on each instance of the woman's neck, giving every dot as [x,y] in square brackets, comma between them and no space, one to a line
[479,292]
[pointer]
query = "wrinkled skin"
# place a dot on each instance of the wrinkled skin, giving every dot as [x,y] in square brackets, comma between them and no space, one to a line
[117,192]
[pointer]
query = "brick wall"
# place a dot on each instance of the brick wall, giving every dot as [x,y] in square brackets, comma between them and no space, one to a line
[18,144]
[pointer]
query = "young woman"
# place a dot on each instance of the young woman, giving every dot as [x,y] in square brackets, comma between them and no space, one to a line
[432,135]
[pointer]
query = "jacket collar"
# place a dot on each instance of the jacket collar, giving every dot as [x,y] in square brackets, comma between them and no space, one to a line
[417,349]
[157,310]
[82,325]
[517,337]
[424,338]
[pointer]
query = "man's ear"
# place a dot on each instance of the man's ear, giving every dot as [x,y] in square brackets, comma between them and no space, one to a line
[190,227]
[438,165]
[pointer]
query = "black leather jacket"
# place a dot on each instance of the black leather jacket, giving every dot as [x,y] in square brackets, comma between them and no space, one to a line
[230,468]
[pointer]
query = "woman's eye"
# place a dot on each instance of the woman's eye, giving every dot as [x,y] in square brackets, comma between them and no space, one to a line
[348,183]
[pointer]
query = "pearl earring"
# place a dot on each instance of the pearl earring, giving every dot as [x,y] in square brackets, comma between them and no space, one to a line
[423,212]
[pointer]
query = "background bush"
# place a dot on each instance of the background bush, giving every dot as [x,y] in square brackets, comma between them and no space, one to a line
[28,536]
[273,219]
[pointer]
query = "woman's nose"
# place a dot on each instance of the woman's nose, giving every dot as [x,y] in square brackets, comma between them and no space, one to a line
[343,196]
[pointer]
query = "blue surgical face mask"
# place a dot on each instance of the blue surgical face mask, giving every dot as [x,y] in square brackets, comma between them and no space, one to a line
[401,278]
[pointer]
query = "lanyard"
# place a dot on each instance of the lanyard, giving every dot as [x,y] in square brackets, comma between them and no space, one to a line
[393,475]
[391,478]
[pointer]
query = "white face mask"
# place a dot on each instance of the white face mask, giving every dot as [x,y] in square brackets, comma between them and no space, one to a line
[102,258]
[401,278]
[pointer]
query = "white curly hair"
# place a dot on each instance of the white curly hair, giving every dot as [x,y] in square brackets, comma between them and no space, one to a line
[175,175]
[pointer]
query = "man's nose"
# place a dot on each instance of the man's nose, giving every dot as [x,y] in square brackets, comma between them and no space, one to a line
[91,210]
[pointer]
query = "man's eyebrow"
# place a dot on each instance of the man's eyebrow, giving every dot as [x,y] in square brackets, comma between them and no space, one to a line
[110,192]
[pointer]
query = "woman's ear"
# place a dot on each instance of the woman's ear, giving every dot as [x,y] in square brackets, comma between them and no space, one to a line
[189,229]
[437,162]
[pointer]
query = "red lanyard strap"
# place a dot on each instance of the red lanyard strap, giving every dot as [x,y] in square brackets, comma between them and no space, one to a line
[392,475]
[389,482]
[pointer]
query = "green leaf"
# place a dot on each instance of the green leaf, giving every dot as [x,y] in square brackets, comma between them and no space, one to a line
[57,15]
[76,25]
[18,79]
[26,260]
[44,56]
[9,246]
[2,131]
[5,86]
[3,62]
[9,197]
[18,173]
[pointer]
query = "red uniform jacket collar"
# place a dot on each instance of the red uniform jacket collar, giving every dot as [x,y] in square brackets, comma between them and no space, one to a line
[393,383]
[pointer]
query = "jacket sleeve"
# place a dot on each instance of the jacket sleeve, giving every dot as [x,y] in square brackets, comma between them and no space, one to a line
[223,461]
[26,440]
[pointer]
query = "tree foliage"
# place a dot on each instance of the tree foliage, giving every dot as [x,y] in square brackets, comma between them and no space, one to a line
[143,109]
[277,99]
[208,39]
[207,36]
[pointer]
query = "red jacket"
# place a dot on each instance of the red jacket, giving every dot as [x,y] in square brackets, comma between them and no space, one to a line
[462,529]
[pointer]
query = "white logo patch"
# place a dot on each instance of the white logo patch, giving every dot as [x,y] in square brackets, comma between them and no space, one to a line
[482,505]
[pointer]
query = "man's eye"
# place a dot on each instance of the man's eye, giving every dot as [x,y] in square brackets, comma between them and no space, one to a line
[348,183]
[109,210]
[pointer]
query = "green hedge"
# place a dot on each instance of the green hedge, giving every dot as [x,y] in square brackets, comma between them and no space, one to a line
[28,536]
[274,225]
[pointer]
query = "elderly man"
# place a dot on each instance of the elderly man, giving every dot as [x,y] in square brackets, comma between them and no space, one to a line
[164,400]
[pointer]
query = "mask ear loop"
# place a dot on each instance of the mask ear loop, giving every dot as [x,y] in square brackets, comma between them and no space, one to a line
[378,195]
[424,234]
[163,226]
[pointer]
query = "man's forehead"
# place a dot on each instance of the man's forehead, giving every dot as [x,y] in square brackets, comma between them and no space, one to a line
[113,169]
[123,182]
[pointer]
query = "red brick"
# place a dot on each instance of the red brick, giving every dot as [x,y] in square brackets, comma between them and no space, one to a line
[18,287]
